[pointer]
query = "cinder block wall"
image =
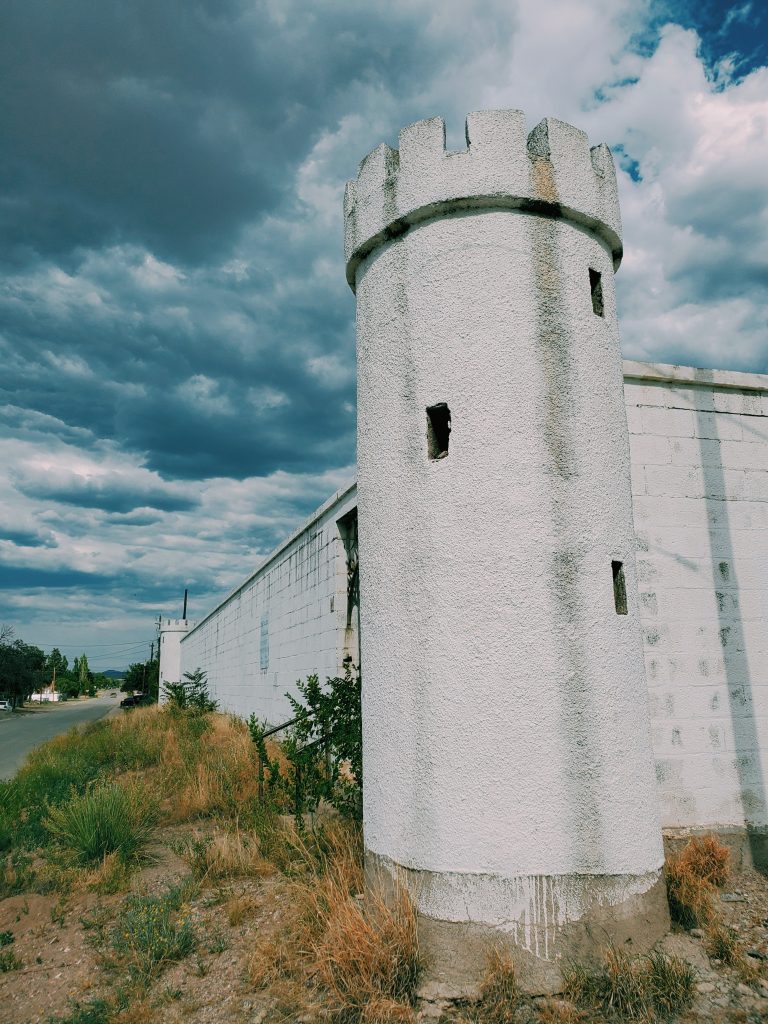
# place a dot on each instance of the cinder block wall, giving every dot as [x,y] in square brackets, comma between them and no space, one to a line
[285,622]
[699,449]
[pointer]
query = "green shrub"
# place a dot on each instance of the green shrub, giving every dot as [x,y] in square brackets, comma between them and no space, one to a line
[154,931]
[107,819]
[9,961]
[6,938]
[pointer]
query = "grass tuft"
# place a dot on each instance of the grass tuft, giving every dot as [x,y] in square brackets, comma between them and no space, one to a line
[635,988]
[9,961]
[107,819]
[692,877]
[499,992]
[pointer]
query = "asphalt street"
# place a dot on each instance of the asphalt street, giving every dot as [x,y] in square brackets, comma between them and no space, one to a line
[21,731]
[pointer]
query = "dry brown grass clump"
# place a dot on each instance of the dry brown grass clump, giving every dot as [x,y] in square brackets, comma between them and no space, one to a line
[242,907]
[359,950]
[226,854]
[722,943]
[559,1011]
[499,991]
[692,877]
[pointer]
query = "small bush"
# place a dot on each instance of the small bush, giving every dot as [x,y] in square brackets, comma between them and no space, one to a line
[152,932]
[708,859]
[108,819]
[6,938]
[692,877]
[722,943]
[9,961]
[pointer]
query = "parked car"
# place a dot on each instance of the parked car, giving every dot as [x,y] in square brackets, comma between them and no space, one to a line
[5,705]
[134,700]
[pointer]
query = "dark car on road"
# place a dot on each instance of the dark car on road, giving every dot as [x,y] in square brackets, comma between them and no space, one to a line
[134,700]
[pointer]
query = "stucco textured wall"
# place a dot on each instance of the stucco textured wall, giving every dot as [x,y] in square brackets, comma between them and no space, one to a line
[172,632]
[506,732]
[285,622]
[699,443]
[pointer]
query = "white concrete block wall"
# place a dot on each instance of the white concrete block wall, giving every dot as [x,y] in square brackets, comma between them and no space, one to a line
[700,495]
[286,621]
[699,450]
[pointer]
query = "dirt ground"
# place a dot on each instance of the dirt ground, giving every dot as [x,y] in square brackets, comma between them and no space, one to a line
[62,944]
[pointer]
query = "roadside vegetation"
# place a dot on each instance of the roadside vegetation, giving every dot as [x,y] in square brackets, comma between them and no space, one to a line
[204,867]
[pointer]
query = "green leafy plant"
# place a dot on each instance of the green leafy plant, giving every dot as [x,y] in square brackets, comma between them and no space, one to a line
[326,747]
[190,694]
[154,931]
[9,961]
[106,819]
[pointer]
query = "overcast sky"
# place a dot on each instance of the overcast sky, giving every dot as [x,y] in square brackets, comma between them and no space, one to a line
[176,335]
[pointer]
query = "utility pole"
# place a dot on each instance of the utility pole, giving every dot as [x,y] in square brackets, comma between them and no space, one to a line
[184,614]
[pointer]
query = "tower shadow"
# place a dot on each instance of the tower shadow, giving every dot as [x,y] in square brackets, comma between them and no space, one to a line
[736,660]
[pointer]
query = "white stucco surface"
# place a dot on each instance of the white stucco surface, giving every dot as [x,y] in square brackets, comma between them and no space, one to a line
[505,719]
[699,443]
[708,709]
[172,632]
[286,621]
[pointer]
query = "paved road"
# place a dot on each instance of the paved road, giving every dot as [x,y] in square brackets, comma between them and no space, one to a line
[21,731]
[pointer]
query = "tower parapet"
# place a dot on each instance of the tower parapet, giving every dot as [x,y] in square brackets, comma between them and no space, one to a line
[550,171]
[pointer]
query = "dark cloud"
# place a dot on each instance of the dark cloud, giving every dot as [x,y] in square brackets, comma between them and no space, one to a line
[110,491]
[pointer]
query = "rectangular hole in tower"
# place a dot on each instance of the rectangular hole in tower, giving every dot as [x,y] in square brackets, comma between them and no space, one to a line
[438,430]
[619,588]
[596,288]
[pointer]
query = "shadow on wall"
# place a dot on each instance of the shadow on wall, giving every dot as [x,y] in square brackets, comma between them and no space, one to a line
[736,660]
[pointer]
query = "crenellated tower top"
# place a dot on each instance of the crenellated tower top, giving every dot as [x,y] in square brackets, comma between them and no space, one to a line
[550,171]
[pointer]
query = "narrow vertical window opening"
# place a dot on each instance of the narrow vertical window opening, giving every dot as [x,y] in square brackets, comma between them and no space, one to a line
[438,430]
[619,588]
[596,288]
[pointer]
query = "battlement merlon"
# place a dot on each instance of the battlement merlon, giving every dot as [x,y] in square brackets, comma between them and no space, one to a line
[550,171]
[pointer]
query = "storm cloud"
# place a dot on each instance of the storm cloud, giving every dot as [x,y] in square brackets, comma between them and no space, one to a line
[176,335]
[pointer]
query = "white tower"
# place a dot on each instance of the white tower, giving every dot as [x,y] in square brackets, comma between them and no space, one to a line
[508,765]
[172,632]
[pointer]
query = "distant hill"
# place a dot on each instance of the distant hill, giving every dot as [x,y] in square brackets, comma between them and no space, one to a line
[114,673]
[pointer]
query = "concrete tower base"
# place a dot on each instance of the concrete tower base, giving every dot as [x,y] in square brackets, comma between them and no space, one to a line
[534,919]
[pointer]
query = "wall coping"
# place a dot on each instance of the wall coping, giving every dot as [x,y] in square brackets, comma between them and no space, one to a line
[692,375]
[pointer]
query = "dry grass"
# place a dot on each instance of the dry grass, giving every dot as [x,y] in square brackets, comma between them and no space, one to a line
[499,992]
[361,950]
[240,908]
[559,1011]
[226,854]
[708,859]
[633,987]
[692,877]
[722,943]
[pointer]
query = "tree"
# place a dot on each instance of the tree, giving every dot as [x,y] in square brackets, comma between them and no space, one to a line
[142,677]
[22,667]
[56,663]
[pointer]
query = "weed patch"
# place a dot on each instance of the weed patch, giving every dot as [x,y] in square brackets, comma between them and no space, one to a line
[9,961]
[152,932]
